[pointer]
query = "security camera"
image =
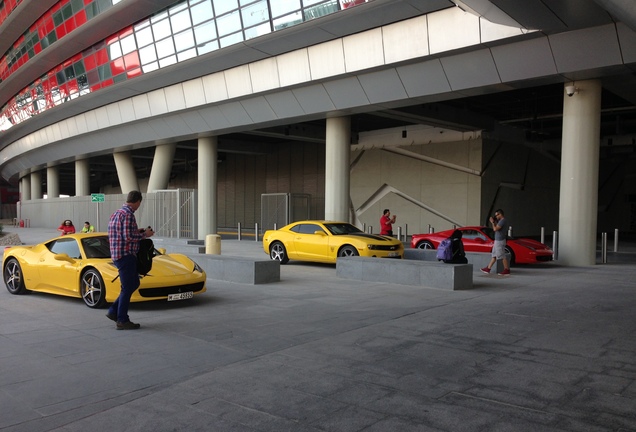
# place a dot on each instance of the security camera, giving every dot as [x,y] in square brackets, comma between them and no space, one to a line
[570,90]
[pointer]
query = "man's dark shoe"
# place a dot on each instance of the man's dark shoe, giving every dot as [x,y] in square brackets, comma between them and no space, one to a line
[129,325]
[112,317]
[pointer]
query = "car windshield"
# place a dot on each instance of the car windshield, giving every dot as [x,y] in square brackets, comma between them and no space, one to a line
[342,228]
[96,247]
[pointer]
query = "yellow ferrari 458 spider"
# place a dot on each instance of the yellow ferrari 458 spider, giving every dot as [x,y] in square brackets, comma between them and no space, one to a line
[79,265]
[324,241]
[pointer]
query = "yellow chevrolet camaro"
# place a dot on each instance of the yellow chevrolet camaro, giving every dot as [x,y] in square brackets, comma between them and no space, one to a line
[325,241]
[79,265]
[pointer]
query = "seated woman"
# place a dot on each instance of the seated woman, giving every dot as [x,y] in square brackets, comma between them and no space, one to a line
[66,227]
[459,255]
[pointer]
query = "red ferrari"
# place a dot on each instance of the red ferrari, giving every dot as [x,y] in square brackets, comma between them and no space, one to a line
[481,239]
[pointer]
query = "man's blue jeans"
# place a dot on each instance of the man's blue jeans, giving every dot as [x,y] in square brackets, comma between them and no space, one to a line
[129,280]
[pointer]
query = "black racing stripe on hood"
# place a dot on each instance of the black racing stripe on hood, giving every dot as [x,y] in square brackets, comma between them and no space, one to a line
[370,236]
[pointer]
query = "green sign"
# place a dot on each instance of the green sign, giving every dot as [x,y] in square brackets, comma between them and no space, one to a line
[97,197]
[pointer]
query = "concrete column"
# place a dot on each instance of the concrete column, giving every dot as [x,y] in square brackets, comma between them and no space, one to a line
[82,178]
[36,185]
[26,188]
[161,167]
[338,139]
[126,172]
[207,184]
[52,182]
[579,174]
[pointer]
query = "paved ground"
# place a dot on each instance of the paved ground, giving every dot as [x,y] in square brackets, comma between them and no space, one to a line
[547,349]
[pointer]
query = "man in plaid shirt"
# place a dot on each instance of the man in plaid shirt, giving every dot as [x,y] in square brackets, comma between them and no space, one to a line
[124,237]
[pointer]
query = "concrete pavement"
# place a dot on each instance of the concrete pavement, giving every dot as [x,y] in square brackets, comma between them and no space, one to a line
[549,348]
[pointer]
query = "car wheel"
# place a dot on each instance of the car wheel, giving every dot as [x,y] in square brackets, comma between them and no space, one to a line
[512,254]
[346,251]
[93,289]
[277,252]
[425,245]
[13,277]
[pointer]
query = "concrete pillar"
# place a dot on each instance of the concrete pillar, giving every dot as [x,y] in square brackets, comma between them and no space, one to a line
[207,184]
[52,182]
[579,174]
[338,139]
[26,188]
[82,178]
[126,172]
[36,185]
[161,167]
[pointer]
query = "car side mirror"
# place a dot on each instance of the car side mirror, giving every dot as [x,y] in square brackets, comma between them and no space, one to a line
[319,232]
[64,257]
[479,239]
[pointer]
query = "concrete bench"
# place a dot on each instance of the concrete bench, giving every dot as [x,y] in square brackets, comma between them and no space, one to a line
[227,268]
[406,272]
[479,260]
[238,269]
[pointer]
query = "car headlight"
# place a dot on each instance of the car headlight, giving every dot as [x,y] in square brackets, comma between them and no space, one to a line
[197,267]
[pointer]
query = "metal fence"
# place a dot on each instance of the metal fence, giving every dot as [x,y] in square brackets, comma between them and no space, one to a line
[280,209]
[171,213]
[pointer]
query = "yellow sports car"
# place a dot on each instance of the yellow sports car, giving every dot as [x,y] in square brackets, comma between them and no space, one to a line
[324,241]
[79,265]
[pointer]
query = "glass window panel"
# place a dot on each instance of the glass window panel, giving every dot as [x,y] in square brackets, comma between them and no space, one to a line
[320,10]
[167,61]
[312,2]
[128,44]
[207,47]
[184,40]
[229,23]
[288,21]
[161,29]
[114,50]
[178,8]
[258,31]
[281,7]
[148,54]
[165,48]
[255,14]
[150,67]
[223,6]
[144,37]
[231,39]
[205,33]
[180,21]
[159,17]
[202,12]
[185,55]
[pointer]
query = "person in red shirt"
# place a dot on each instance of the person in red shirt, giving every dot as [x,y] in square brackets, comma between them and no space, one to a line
[67,227]
[386,223]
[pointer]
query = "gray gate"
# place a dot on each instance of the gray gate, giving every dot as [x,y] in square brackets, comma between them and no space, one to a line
[280,209]
[175,213]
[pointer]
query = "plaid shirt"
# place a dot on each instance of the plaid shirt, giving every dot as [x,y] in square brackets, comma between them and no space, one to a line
[123,233]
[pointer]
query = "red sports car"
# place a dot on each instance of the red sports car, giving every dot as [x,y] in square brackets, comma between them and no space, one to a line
[481,239]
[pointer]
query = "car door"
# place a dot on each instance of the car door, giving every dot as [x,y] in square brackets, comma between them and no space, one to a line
[60,275]
[310,246]
[476,241]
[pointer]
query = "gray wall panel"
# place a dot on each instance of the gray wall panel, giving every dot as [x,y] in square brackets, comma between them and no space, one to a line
[258,109]
[346,93]
[383,86]
[424,78]
[472,69]
[527,59]
[572,49]
[284,104]
[313,99]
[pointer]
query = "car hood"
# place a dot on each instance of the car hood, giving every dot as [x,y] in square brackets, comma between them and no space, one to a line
[531,244]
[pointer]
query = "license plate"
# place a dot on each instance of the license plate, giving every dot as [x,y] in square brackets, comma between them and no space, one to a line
[393,254]
[181,296]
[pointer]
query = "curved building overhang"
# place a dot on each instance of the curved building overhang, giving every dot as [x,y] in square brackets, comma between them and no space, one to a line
[447,54]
